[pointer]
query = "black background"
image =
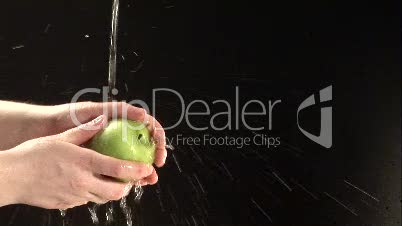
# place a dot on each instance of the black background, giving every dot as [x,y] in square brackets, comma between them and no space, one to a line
[204,49]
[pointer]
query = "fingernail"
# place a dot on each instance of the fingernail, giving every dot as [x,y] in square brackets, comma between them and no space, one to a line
[98,120]
[95,124]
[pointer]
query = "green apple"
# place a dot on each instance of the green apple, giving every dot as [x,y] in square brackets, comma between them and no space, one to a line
[125,139]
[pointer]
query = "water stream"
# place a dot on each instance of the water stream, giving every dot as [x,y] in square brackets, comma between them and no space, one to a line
[93,208]
[113,48]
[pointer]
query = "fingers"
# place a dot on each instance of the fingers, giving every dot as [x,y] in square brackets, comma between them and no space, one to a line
[92,197]
[156,129]
[150,180]
[112,167]
[82,133]
[158,134]
[86,110]
[102,190]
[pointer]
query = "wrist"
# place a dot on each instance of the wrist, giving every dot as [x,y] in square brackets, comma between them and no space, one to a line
[21,122]
[8,178]
[37,121]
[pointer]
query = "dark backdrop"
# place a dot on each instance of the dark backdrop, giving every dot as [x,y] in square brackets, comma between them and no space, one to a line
[50,49]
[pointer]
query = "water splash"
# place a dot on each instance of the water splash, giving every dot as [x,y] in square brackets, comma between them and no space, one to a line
[109,212]
[138,191]
[169,146]
[126,211]
[92,210]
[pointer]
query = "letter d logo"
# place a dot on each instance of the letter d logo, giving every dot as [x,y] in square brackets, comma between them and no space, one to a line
[325,137]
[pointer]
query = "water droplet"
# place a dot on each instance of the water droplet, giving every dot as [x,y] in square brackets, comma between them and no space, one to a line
[18,47]
[115,91]
[63,213]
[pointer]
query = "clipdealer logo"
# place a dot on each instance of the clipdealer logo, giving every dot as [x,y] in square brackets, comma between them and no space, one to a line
[325,137]
[231,121]
[227,141]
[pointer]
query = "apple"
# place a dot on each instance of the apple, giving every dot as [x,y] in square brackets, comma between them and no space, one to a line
[126,140]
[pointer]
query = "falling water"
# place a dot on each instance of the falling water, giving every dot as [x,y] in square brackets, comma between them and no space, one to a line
[109,212]
[138,190]
[63,213]
[113,48]
[126,211]
[92,211]
[112,84]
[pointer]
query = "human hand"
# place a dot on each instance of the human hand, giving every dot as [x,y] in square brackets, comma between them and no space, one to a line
[54,172]
[60,118]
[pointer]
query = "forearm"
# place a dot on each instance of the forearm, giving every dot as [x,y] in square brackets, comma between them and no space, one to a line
[20,122]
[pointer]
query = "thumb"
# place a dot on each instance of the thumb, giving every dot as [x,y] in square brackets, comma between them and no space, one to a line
[82,133]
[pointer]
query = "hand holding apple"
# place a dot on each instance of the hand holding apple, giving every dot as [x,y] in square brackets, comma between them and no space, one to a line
[125,139]
[61,120]
[22,122]
[54,172]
